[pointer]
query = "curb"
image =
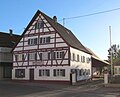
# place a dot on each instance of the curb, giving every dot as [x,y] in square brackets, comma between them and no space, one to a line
[112,85]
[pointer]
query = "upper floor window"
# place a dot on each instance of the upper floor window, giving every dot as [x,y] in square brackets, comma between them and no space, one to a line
[73,56]
[88,60]
[32,41]
[39,25]
[19,57]
[32,56]
[56,55]
[44,40]
[78,59]
[83,59]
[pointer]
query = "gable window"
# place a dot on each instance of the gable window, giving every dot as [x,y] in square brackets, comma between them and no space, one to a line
[44,40]
[39,25]
[47,39]
[32,41]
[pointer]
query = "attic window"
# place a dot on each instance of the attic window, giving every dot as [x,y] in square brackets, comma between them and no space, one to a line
[39,25]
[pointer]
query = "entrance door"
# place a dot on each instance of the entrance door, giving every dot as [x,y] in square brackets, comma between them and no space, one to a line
[31,76]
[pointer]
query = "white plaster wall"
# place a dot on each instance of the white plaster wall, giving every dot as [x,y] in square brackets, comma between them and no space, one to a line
[46,46]
[80,65]
[18,49]
[51,77]
[36,73]
[61,45]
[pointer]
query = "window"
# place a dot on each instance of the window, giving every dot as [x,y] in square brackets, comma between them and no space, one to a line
[61,55]
[19,57]
[59,72]
[39,25]
[16,57]
[44,72]
[83,59]
[88,60]
[56,55]
[44,40]
[40,56]
[23,57]
[78,59]
[19,73]
[32,41]
[32,56]
[115,70]
[73,56]
[47,39]
[119,70]
[80,72]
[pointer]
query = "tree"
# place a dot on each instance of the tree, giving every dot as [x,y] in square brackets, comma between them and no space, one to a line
[114,51]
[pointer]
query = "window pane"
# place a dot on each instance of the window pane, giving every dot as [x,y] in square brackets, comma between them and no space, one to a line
[47,39]
[41,40]
[35,41]
[40,73]
[48,55]
[54,72]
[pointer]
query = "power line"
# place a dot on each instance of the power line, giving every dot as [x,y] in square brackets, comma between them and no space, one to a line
[86,15]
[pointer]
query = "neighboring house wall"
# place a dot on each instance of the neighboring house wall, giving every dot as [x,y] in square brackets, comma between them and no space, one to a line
[5,62]
[5,55]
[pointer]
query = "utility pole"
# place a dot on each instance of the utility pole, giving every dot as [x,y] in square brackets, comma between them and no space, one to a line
[111,59]
[63,21]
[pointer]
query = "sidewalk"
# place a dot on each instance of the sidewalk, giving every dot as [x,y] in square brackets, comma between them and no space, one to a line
[112,85]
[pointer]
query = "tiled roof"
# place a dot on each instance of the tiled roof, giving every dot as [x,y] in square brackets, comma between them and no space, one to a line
[67,35]
[95,57]
[7,40]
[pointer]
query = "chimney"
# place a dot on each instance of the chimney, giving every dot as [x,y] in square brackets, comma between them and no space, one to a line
[10,32]
[55,18]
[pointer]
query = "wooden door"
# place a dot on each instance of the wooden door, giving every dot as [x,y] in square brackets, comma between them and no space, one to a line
[31,76]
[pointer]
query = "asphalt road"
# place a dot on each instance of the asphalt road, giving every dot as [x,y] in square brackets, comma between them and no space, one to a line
[13,89]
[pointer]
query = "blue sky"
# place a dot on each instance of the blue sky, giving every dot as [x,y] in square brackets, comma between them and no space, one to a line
[92,31]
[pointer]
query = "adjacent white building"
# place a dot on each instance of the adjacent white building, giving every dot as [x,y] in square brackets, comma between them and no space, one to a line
[47,51]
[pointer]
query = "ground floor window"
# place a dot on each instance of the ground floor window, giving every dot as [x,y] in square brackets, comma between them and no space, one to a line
[59,72]
[44,72]
[19,73]
[83,72]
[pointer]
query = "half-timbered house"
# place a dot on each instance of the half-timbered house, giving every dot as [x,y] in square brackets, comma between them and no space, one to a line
[47,51]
